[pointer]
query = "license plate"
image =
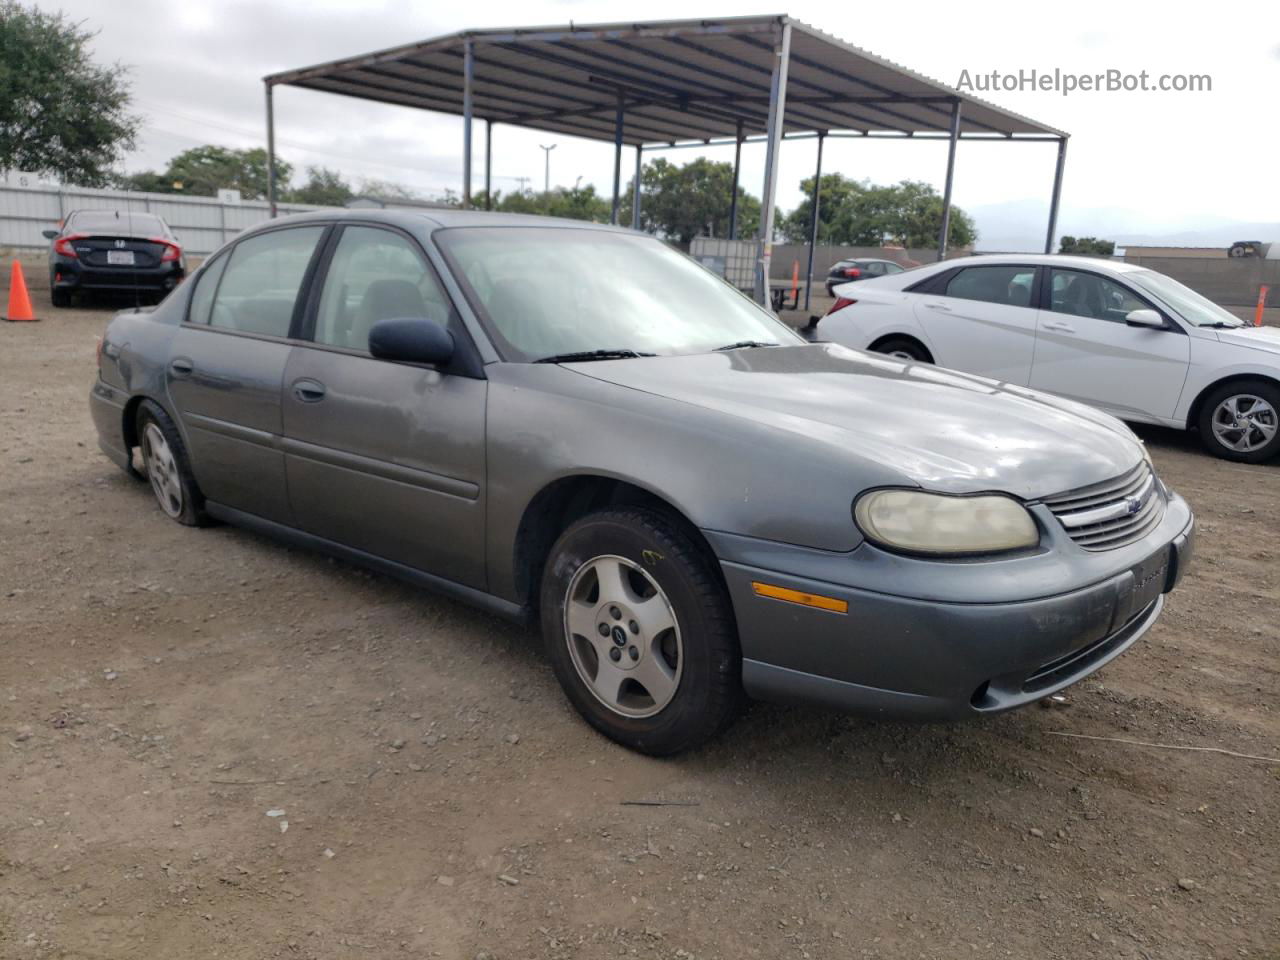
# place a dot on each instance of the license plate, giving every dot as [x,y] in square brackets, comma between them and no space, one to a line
[120,258]
[1148,581]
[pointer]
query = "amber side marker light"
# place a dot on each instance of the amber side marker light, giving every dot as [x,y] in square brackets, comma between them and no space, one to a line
[830,604]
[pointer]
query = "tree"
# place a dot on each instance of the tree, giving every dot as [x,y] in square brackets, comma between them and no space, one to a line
[390,190]
[859,213]
[324,187]
[60,113]
[1087,246]
[574,203]
[203,171]
[680,203]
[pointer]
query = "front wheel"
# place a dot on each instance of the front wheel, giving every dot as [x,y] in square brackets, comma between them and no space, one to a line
[640,632]
[1239,421]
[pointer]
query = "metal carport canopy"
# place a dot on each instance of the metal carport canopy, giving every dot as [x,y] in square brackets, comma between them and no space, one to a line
[664,83]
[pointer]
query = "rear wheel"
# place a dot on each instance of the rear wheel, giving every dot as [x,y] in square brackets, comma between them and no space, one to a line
[165,465]
[1241,421]
[640,632]
[60,296]
[903,348]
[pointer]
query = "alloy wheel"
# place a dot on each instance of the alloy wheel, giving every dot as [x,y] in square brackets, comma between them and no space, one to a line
[1244,422]
[162,470]
[623,636]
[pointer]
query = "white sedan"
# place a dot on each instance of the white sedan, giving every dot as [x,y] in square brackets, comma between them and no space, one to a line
[1133,342]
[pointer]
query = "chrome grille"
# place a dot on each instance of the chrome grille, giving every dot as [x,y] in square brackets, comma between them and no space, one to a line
[1112,513]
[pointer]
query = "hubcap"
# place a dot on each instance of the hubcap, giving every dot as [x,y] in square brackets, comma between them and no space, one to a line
[162,469]
[901,355]
[1244,422]
[623,637]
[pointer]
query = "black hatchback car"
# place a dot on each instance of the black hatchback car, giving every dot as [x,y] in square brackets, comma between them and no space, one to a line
[846,270]
[106,250]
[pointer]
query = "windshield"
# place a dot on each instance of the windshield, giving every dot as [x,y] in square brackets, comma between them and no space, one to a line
[1186,302]
[547,291]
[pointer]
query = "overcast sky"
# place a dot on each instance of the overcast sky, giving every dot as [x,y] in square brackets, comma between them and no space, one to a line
[1141,162]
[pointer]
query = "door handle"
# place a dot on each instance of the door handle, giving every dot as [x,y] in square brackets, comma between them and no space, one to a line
[181,367]
[308,391]
[938,306]
[1059,325]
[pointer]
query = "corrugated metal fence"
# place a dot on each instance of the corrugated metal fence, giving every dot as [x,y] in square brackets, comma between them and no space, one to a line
[202,223]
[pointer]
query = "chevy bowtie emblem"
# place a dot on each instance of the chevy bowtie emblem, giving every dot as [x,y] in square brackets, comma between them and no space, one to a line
[1133,504]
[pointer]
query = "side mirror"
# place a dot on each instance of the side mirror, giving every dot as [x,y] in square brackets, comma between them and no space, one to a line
[1144,318]
[411,340]
[49,234]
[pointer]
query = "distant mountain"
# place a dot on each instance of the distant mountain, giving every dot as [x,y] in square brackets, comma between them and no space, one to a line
[1019,225]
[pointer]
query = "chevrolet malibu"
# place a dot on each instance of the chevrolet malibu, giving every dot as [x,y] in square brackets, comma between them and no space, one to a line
[578,426]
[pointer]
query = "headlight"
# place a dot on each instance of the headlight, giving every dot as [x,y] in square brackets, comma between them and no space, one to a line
[916,522]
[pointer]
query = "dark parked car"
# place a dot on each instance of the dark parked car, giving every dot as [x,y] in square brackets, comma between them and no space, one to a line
[846,271]
[579,426]
[106,250]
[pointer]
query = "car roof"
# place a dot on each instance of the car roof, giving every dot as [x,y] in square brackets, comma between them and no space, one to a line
[438,218]
[1039,259]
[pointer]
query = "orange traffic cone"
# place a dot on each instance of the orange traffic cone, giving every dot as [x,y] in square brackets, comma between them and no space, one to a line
[19,301]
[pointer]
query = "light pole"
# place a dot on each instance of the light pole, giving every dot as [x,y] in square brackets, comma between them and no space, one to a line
[546,178]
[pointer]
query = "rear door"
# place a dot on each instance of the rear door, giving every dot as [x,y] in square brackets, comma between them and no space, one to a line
[387,458]
[1086,351]
[982,320]
[227,366]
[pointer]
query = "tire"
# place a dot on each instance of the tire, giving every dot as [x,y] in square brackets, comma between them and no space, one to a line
[680,638]
[1255,436]
[167,468]
[60,297]
[904,349]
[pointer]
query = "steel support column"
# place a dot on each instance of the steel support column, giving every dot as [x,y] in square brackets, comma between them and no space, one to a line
[945,233]
[733,198]
[1057,195]
[617,158]
[635,189]
[468,79]
[488,164]
[777,113]
[271,154]
[814,207]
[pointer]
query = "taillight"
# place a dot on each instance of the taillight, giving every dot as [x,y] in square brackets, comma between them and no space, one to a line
[840,304]
[62,246]
[852,272]
[171,250]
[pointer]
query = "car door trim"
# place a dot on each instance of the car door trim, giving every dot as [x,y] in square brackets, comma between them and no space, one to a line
[435,482]
[236,431]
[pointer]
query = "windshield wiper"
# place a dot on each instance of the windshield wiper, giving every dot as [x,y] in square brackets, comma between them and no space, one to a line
[744,344]
[584,355]
[1221,325]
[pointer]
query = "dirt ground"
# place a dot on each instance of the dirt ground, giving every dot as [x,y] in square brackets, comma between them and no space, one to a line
[171,699]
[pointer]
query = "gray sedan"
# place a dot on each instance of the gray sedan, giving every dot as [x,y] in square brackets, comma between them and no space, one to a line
[579,426]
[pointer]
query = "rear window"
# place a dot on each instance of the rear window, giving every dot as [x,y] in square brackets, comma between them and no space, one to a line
[118,223]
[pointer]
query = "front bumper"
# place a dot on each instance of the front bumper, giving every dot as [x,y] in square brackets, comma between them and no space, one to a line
[904,657]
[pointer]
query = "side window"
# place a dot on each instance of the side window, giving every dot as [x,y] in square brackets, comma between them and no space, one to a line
[375,275]
[1089,295]
[261,281]
[873,269]
[891,268]
[1007,285]
[206,287]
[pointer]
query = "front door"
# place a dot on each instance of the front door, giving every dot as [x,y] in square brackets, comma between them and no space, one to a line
[1086,351]
[227,364]
[387,458]
[983,321]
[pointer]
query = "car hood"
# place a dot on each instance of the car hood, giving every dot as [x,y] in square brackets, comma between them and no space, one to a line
[941,429]
[1259,338]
